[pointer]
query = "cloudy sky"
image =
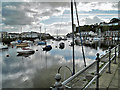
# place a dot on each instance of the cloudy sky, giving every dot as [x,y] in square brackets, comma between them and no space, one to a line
[53,17]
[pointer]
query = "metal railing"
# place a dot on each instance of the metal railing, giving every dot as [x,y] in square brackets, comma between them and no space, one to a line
[108,64]
[59,84]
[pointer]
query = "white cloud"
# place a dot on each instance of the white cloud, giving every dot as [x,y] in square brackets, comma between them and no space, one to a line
[96,6]
[11,7]
[59,27]
[92,20]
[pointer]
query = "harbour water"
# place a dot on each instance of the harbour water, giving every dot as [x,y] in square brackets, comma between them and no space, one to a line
[39,69]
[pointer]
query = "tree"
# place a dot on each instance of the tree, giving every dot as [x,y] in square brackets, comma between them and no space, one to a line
[114,20]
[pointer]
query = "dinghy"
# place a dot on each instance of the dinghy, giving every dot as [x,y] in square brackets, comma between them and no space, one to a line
[61,45]
[47,48]
[42,43]
[25,51]
[3,47]
[22,45]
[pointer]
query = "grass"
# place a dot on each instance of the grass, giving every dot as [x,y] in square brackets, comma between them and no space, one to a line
[84,79]
[92,73]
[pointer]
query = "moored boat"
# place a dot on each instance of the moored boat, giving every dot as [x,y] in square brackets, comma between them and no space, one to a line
[22,45]
[26,41]
[47,48]
[3,47]
[25,51]
[13,42]
[42,43]
[61,45]
[77,41]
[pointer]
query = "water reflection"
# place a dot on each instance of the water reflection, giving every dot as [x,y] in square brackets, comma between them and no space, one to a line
[25,54]
[38,70]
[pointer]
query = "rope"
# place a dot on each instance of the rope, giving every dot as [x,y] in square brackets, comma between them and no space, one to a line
[80,33]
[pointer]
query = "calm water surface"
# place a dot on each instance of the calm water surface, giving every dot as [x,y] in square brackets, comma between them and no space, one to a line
[38,70]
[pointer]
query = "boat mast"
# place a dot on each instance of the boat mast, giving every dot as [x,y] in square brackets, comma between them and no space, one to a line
[73,36]
[40,32]
[80,33]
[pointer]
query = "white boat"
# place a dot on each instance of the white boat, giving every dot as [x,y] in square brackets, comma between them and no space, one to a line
[25,51]
[13,42]
[3,46]
[36,40]
[77,41]
[96,39]
[26,41]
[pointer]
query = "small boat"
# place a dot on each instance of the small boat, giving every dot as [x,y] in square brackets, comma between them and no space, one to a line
[3,47]
[77,42]
[25,51]
[71,44]
[58,39]
[47,48]
[42,43]
[64,38]
[36,40]
[25,41]
[13,42]
[61,45]
[96,39]
[22,45]
[19,41]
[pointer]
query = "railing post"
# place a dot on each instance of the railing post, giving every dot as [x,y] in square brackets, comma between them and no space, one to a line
[57,84]
[118,50]
[109,71]
[115,55]
[97,72]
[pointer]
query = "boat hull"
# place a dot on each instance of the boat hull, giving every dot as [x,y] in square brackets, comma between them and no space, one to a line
[22,45]
[25,52]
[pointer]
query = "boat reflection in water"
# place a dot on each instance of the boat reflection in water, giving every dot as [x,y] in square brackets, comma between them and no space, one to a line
[25,51]
[25,54]
[47,48]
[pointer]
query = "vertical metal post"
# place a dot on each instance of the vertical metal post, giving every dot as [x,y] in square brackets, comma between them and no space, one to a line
[97,72]
[115,56]
[109,71]
[73,36]
[118,50]
[57,84]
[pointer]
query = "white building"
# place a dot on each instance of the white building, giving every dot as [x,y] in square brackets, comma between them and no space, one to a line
[14,35]
[4,35]
[29,35]
[111,33]
[87,33]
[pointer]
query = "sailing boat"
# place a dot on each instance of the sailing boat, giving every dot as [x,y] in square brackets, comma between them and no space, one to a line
[22,44]
[41,42]
[73,35]
[58,38]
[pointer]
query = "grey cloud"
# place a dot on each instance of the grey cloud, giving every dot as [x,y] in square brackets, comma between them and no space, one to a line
[19,15]
[15,17]
[92,20]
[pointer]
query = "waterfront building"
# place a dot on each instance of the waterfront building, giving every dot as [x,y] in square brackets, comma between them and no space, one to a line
[87,33]
[4,35]
[29,35]
[111,33]
[14,35]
